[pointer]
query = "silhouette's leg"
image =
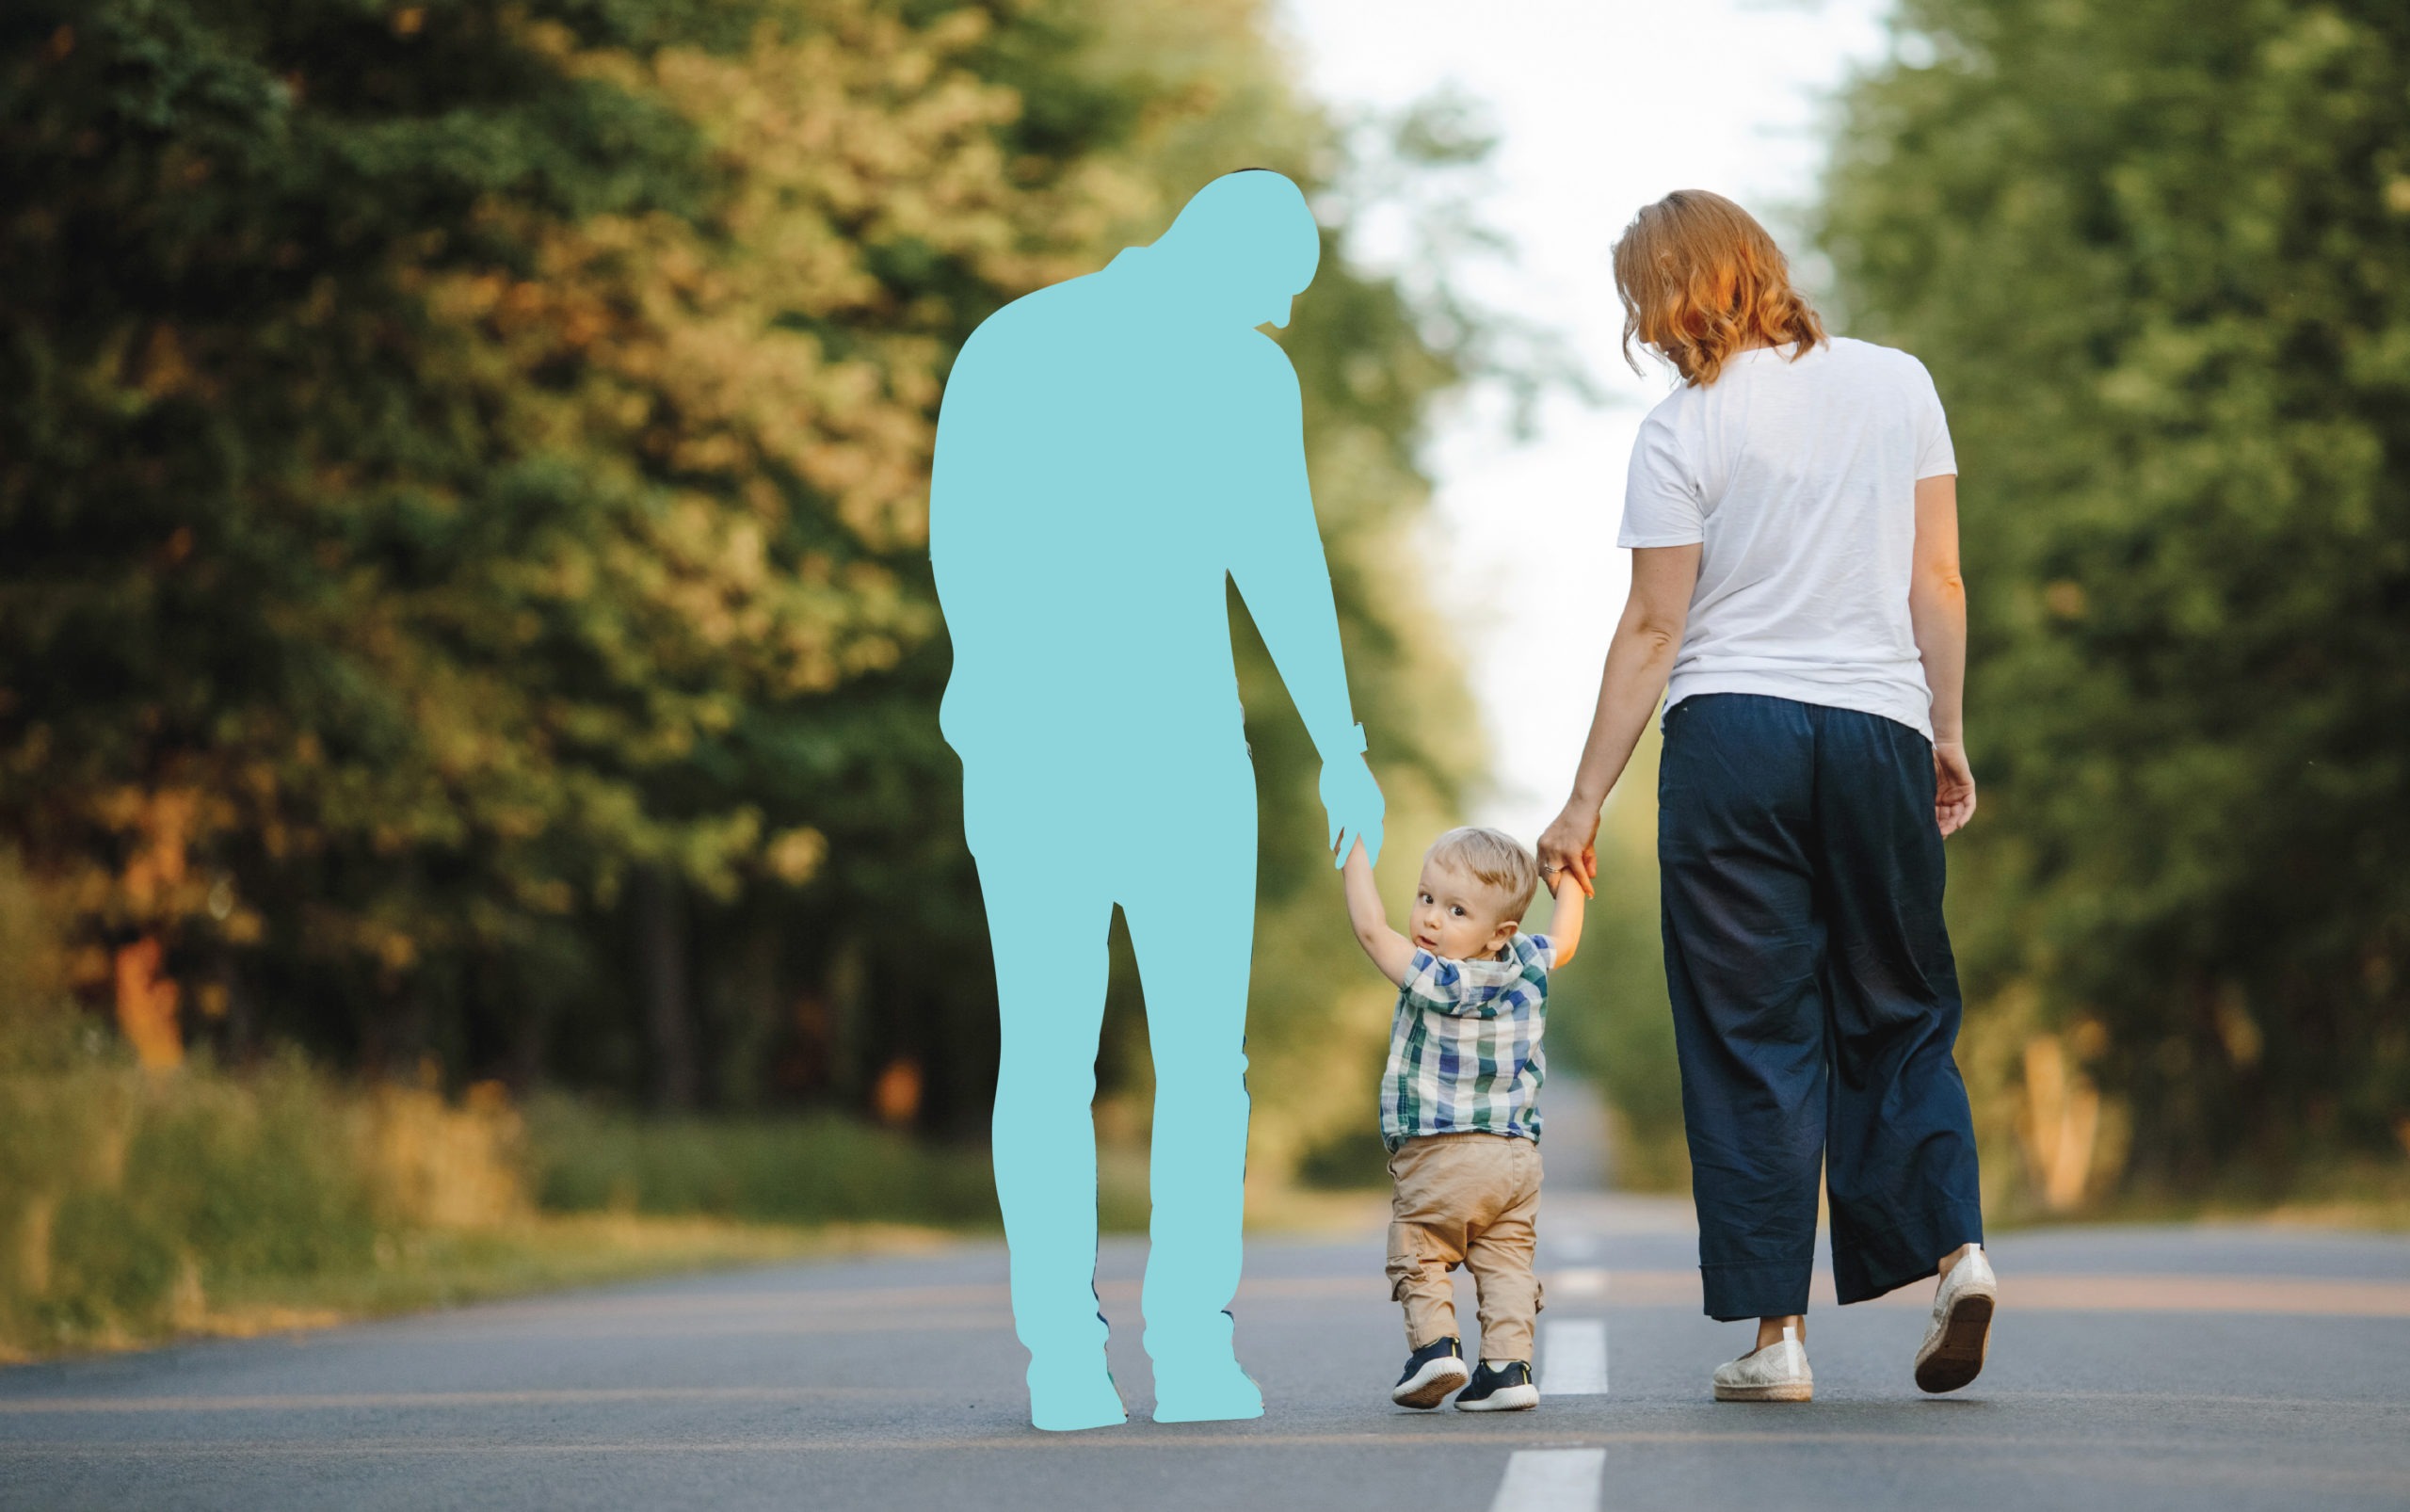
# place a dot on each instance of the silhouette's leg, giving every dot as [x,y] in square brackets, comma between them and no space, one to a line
[1192,924]
[1050,963]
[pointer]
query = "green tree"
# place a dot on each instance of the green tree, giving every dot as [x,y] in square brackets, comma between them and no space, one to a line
[462,466]
[435,428]
[2158,258]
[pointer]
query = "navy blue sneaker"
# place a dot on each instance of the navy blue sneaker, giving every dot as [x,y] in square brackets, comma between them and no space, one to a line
[1431,1372]
[1500,1391]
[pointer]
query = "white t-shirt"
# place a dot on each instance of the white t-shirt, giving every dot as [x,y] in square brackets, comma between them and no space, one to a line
[1799,477]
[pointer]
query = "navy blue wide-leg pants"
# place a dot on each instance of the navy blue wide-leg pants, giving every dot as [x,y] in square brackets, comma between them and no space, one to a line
[1815,1000]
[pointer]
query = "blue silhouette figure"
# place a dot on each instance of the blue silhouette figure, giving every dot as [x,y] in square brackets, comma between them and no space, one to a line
[1111,451]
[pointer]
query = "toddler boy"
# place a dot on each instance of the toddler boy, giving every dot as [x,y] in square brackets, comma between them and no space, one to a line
[1459,1109]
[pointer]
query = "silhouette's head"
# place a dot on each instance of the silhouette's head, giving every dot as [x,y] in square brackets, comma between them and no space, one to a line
[1243,247]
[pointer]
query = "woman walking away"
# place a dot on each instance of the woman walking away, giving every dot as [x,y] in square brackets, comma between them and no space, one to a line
[1794,519]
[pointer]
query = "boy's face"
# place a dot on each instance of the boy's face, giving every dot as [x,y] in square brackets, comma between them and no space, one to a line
[1457,915]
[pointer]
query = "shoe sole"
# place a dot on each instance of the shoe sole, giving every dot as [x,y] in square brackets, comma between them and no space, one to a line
[1957,1357]
[1786,1391]
[1430,1393]
[1504,1399]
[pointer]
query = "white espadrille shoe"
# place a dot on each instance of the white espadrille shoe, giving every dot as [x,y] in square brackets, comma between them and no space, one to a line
[1961,1330]
[1777,1373]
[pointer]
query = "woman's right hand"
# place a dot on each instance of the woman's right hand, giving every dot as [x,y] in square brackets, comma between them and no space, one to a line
[1569,844]
[1953,786]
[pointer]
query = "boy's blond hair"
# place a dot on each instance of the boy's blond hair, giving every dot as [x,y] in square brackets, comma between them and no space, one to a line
[1494,858]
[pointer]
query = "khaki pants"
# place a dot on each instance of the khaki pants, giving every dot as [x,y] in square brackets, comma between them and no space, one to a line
[1466,1199]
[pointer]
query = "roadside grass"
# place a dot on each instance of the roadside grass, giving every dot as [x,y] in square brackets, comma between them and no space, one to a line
[544,1253]
[135,1207]
[793,1170]
[2373,1195]
[142,1205]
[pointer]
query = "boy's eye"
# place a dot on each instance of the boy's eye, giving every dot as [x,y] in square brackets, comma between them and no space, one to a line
[1459,909]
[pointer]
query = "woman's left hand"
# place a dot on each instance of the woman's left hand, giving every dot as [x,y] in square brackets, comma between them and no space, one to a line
[1953,786]
[1568,844]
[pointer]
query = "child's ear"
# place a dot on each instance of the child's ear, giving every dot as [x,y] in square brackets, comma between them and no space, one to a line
[1505,933]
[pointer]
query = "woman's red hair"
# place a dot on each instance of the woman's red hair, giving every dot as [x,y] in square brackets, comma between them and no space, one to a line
[1701,280]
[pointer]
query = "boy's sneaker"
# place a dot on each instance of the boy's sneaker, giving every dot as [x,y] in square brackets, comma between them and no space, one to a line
[1500,1391]
[1431,1372]
[1955,1340]
[1777,1373]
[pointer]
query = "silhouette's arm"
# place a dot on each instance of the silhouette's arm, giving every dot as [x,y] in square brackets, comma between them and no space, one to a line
[1278,563]
[1277,560]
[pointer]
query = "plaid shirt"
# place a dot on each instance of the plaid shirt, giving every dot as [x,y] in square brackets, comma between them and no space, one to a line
[1465,1048]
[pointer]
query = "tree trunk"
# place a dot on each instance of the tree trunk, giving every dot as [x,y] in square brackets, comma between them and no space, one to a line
[660,911]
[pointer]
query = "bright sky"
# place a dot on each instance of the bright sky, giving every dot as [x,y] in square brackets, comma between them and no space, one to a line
[1601,105]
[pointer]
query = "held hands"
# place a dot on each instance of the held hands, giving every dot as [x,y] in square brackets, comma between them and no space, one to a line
[1352,802]
[1568,848]
[1953,786]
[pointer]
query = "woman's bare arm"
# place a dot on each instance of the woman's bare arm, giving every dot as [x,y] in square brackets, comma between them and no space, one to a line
[1640,658]
[1937,612]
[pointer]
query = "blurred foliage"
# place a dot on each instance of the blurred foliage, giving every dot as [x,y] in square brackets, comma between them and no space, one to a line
[126,1196]
[463,592]
[2158,258]
[132,1199]
[136,1205]
[583,1160]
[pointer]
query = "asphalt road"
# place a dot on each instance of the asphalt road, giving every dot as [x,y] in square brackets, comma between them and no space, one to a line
[2131,1369]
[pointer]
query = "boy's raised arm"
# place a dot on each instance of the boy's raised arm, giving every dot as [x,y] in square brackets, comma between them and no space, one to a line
[1564,925]
[1389,949]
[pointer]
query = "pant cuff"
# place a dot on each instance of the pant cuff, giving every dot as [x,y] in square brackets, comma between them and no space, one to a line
[1430,1332]
[1867,1266]
[1757,1289]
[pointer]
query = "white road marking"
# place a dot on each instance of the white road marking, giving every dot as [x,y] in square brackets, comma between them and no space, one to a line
[1551,1480]
[1577,1281]
[1574,1353]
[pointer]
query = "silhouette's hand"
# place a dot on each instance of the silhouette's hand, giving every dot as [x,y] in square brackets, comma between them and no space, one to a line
[1954,787]
[1352,802]
[1569,846]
